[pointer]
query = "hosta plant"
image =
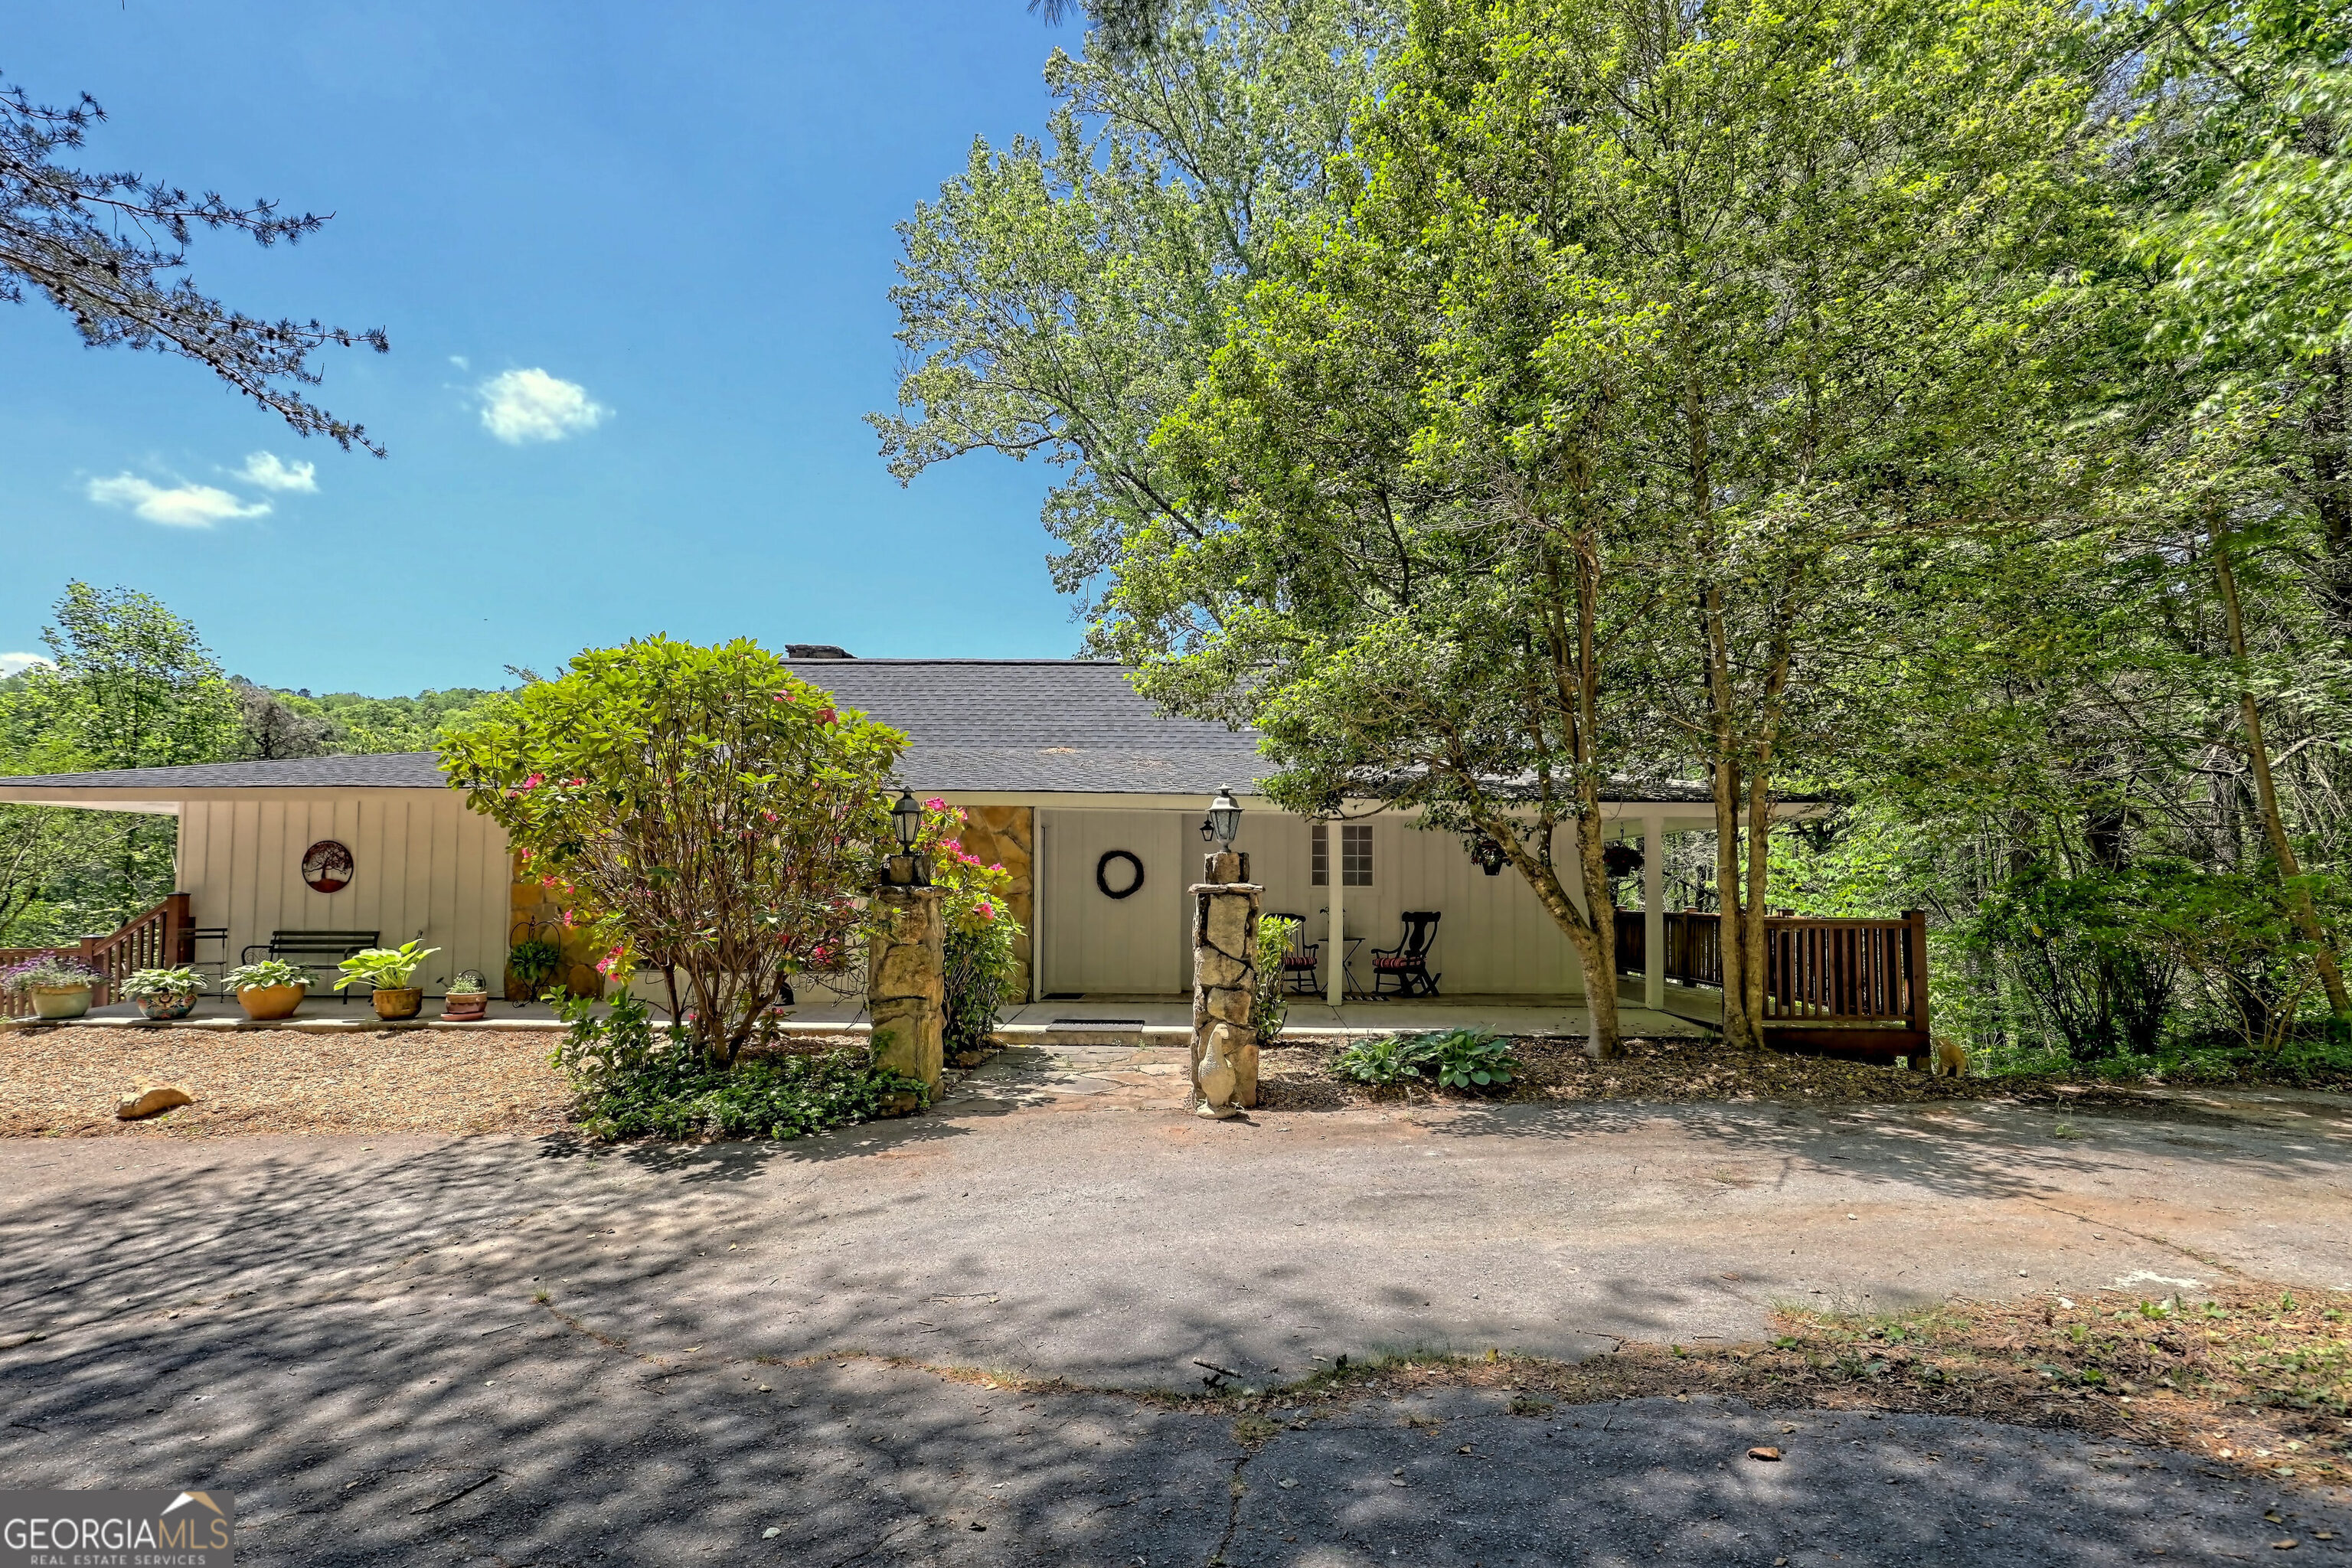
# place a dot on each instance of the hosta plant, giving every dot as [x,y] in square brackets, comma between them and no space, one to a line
[385,968]
[266,974]
[1458,1058]
[181,982]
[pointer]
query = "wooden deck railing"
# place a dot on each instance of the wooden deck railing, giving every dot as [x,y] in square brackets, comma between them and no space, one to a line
[163,938]
[1825,981]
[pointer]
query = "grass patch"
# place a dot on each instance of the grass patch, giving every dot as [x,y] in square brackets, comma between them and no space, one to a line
[2251,1375]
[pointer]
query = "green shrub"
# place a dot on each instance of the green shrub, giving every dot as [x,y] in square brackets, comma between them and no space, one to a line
[1383,1061]
[634,1081]
[1458,1058]
[1470,1058]
[1268,1015]
[980,964]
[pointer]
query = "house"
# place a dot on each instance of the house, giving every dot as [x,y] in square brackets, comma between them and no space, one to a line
[1091,798]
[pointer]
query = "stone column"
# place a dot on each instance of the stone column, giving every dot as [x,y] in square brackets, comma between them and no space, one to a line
[906,980]
[1224,986]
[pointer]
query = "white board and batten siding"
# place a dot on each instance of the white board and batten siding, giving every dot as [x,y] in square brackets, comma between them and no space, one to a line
[423,867]
[1495,937]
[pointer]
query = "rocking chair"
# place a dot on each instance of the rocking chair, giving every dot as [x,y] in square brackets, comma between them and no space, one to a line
[1300,958]
[1407,962]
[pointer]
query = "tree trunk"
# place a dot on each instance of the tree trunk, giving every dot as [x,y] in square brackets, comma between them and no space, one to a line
[2330,431]
[2298,898]
[1741,1029]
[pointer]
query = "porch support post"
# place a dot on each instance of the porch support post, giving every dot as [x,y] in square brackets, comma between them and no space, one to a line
[1224,986]
[906,986]
[1653,911]
[1335,986]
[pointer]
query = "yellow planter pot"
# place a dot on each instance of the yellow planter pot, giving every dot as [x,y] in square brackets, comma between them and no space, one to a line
[398,1001]
[59,1001]
[264,1002]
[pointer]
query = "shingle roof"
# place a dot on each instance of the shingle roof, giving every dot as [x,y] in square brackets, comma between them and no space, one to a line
[1028,726]
[400,770]
[976,726]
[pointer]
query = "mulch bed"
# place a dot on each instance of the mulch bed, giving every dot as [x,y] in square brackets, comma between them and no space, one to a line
[1293,1075]
[64,1082]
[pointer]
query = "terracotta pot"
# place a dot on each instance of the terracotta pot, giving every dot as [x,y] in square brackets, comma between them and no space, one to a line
[398,1001]
[59,1001]
[462,1008]
[271,1001]
[168,1005]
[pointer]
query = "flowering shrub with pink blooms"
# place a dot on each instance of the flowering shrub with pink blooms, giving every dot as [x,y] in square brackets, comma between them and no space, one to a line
[700,811]
[981,933]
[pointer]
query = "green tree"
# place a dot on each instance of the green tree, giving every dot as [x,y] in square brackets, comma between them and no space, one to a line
[129,685]
[714,815]
[1060,297]
[1655,351]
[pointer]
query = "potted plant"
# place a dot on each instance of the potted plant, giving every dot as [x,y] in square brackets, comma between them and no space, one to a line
[59,986]
[270,989]
[528,964]
[468,998]
[165,993]
[389,970]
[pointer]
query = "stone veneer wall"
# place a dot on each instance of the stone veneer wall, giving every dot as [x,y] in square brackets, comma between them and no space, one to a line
[1007,836]
[534,913]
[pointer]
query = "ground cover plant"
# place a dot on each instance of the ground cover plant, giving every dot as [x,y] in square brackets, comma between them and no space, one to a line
[635,1081]
[1466,1059]
[1302,1073]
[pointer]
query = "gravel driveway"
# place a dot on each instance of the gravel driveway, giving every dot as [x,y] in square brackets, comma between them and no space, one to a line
[343,1332]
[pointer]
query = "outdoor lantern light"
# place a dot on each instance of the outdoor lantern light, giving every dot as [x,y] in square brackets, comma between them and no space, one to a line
[1225,817]
[907,820]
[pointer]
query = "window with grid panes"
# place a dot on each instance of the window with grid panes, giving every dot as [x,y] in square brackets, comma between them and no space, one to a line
[1355,854]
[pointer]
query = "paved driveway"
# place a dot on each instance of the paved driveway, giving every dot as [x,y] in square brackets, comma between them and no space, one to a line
[345,1335]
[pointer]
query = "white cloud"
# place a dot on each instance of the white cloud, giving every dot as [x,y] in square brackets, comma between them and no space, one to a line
[17,663]
[461,362]
[272,472]
[182,506]
[519,405]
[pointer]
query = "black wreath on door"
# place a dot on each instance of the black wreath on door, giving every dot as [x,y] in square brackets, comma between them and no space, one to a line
[1102,875]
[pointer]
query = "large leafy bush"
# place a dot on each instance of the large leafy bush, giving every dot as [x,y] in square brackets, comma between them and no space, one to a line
[705,810]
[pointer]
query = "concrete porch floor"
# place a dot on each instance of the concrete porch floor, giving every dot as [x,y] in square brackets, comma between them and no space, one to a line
[1106,1019]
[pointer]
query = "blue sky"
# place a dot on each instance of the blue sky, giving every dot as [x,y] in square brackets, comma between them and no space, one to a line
[634,260]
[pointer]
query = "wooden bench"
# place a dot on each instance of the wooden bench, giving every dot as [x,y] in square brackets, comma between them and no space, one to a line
[336,945]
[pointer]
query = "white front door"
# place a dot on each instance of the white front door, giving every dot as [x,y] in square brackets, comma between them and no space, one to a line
[1096,944]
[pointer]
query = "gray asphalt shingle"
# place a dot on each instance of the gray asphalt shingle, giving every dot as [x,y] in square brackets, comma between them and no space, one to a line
[976,726]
